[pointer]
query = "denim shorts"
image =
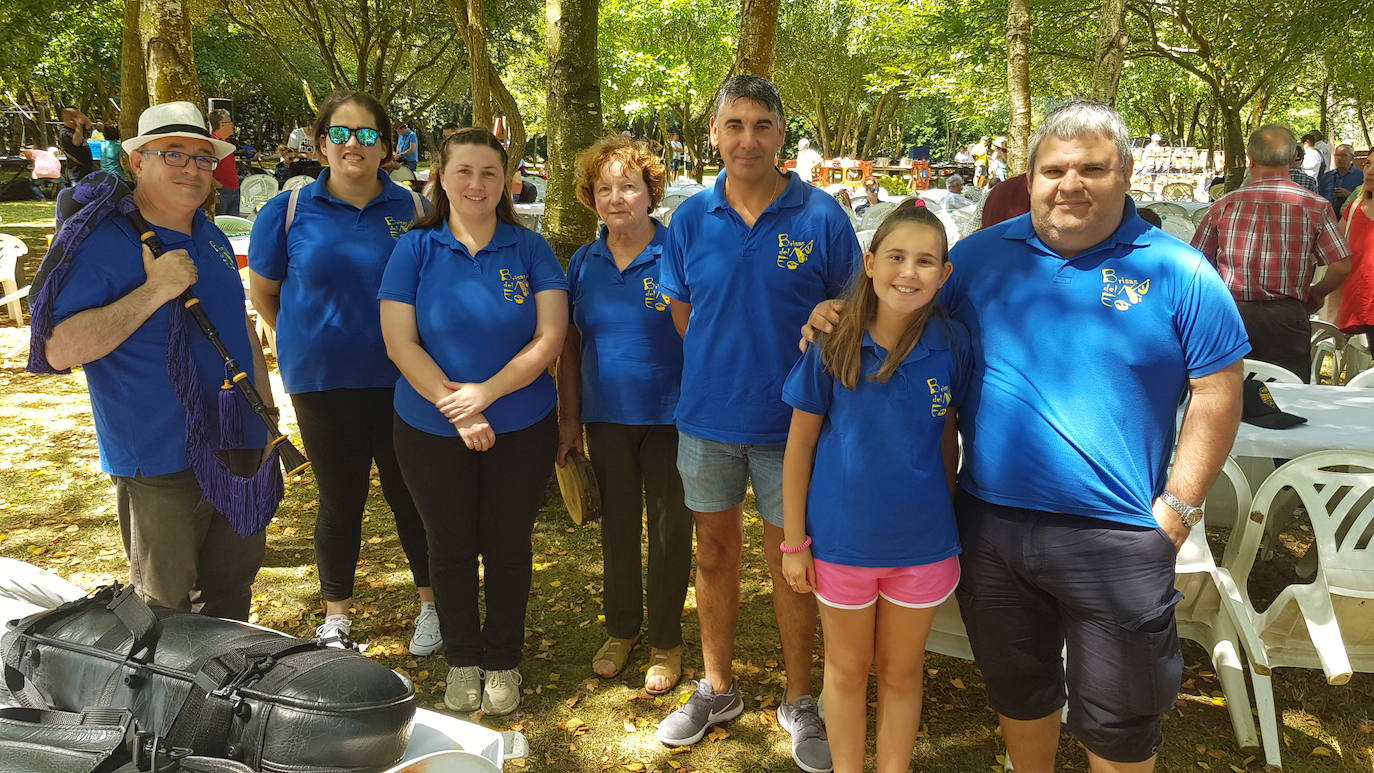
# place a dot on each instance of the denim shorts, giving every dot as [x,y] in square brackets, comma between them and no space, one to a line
[716,475]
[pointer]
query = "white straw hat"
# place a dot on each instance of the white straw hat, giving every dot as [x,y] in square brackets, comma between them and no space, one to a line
[174,119]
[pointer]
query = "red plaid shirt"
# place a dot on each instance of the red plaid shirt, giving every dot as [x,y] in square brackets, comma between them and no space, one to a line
[1267,239]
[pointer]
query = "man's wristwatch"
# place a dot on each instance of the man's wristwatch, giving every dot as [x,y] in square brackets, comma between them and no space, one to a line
[1189,514]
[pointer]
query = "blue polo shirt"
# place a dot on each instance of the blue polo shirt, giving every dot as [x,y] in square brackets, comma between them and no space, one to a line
[474,314]
[631,353]
[1332,179]
[140,425]
[751,290]
[329,334]
[1080,364]
[879,493]
[407,147]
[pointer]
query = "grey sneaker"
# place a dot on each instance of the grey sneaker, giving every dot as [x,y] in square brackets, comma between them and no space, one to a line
[810,747]
[704,710]
[464,691]
[334,632]
[501,694]
[427,638]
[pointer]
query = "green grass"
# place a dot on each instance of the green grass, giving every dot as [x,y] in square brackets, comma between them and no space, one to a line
[56,510]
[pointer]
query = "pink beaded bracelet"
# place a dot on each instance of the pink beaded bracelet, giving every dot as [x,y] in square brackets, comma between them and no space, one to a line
[806,543]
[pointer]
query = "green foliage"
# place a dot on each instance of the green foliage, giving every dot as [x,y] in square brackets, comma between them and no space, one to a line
[895,185]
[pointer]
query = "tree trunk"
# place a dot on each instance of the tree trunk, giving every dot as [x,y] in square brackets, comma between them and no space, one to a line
[823,127]
[758,25]
[866,149]
[171,60]
[515,121]
[479,63]
[133,78]
[1364,123]
[1234,145]
[1325,110]
[574,117]
[1018,83]
[1110,51]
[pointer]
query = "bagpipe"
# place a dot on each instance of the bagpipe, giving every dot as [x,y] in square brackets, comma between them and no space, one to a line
[247,501]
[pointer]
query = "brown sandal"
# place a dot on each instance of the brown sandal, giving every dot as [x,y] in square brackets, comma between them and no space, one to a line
[615,652]
[666,664]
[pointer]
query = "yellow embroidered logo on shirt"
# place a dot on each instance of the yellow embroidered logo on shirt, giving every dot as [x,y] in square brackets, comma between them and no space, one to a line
[1121,293]
[653,299]
[225,256]
[515,287]
[396,226]
[793,253]
[940,397]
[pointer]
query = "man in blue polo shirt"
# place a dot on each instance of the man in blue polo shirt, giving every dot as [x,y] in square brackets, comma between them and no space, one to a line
[112,316]
[407,146]
[746,261]
[1337,183]
[1088,328]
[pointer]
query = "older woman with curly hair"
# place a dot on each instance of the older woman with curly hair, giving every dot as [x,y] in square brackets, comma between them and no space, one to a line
[618,378]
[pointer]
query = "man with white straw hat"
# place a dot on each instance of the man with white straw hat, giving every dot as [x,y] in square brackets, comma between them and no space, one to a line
[107,304]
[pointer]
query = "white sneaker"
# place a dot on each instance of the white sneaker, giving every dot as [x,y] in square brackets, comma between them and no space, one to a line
[464,691]
[335,632]
[427,638]
[501,694]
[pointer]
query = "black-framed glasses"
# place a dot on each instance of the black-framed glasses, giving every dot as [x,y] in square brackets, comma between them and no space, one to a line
[178,159]
[367,137]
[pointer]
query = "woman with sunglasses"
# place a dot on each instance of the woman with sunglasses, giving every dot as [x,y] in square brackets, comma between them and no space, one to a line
[474,310]
[317,257]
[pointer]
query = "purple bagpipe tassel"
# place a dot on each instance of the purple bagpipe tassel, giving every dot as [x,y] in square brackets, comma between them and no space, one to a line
[248,502]
[230,416]
[96,197]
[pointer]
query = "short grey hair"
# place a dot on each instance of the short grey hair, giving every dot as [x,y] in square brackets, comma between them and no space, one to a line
[954,177]
[753,88]
[1081,118]
[1347,146]
[217,117]
[1271,145]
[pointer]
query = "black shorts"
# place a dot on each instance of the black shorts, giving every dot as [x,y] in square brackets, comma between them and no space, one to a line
[1035,582]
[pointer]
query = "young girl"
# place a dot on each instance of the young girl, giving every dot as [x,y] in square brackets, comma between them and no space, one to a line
[869,520]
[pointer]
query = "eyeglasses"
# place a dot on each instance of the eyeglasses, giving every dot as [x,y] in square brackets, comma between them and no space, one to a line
[366,137]
[178,159]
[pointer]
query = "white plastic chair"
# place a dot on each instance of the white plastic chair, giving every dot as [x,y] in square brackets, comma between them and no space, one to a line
[1198,214]
[866,238]
[1270,373]
[874,215]
[1202,615]
[1362,379]
[1327,342]
[302,180]
[1327,624]
[11,249]
[232,225]
[256,190]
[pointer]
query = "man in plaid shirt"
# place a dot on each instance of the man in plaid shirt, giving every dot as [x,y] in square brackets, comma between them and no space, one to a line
[1266,240]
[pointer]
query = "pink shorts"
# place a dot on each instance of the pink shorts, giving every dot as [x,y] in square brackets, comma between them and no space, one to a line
[856,587]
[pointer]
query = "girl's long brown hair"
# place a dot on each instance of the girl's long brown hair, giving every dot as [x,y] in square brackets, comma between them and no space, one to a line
[473,135]
[842,349]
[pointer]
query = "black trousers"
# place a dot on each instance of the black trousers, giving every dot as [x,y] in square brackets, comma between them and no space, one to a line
[480,503]
[1280,333]
[636,471]
[345,431]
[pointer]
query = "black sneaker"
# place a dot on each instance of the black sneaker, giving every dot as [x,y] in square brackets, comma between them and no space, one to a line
[704,710]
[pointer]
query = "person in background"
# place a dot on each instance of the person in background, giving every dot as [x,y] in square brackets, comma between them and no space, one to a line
[979,151]
[1297,173]
[474,310]
[1356,314]
[998,171]
[226,174]
[46,176]
[407,146]
[1313,162]
[1266,239]
[1340,180]
[872,195]
[1008,200]
[315,281]
[807,159]
[71,138]
[618,381]
[109,157]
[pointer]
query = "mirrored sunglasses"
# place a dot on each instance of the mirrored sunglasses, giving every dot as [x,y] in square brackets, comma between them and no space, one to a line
[366,137]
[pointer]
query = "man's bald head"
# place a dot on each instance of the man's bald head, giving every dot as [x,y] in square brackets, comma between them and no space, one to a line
[1271,146]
